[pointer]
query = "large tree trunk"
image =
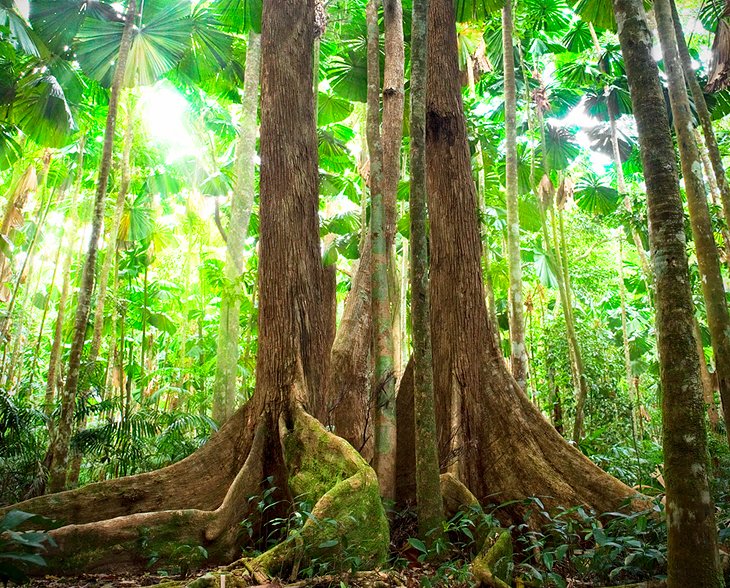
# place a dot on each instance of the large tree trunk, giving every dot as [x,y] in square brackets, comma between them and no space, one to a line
[62,433]
[226,375]
[506,449]
[270,443]
[428,489]
[384,377]
[708,259]
[693,555]
[518,355]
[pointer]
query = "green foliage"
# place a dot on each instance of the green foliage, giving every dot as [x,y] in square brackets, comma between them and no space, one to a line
[597,549]
[20,550]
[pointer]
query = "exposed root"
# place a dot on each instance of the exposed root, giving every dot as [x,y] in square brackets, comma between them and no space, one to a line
[177,487]
[455,495]
[347,521]
[347,524]
[491,568]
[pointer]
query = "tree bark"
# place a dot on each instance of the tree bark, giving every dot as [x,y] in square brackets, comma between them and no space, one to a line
[703,113]
[62,437]
[428,489]
[226,376]
[384,380]
[271,445]
[506,449]
[518,356]
[693,555]
[393,109]
[708,382]
[708,259]
[350,409]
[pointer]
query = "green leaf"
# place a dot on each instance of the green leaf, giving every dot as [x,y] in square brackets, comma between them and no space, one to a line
[560,147]
[598,12]
[58,21]
[329,543]
[239,15]
[157,45]
[42,112]
[211,49]
[14,519]
[595,196]
[417,544]
[330,255]
[548,16]
[476,10]
[544,269]
[21,35]
[332,109]
[578,38]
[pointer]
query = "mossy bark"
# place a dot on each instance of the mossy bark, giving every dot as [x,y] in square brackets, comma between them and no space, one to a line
[518,356]
[491,568]
[692,536]
[428,494]
[384,377]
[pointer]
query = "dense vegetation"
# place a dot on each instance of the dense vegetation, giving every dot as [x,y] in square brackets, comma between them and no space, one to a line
[137,214]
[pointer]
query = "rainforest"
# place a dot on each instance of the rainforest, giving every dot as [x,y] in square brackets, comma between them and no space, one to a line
[369,293]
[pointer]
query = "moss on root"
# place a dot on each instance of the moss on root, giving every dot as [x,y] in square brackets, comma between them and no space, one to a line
[492,567]
[347,526]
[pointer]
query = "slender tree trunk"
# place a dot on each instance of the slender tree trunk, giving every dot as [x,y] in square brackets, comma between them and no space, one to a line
[428,490]
[62,438]
[708,260]
[636,404]
[708,384]
[393,108]
[715,195]
[384,384]
[703,114]
[518,356]
[618,164]
[41,328]
[57,339]
[111,250]
[693,555]
[71,224]
[226,376]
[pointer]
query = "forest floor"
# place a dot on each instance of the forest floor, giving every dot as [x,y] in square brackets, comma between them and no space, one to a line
[409,578]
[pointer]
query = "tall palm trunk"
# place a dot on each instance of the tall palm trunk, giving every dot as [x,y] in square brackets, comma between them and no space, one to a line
[693,555]
[518,356]
[708,260]
[428,490]
[224,388]
[384,384]
[62,438]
